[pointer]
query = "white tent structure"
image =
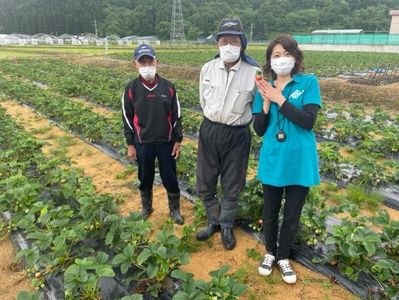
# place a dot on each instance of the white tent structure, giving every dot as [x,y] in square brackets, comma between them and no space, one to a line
[89,38]
[23,36]
[128,40]
[148,40]
[112,37]
[86,39]
[14,39]
[65,39]
[43,38]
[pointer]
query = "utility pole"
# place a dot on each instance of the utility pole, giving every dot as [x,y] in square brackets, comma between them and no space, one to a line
[95,27]
[177,24]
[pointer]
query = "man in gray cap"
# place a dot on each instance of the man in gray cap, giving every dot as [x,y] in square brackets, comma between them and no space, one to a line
[227,88]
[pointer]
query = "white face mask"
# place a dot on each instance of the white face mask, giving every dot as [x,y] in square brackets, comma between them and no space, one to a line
[282,65]
[229,53]
[148,73]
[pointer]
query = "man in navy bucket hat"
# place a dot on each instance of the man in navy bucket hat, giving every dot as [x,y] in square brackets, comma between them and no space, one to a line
[153,130]
[227,88]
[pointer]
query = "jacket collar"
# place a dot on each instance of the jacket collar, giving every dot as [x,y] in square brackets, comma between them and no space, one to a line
[295,78]
[236,67]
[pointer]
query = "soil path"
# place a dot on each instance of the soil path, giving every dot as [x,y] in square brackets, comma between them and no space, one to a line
[12,276]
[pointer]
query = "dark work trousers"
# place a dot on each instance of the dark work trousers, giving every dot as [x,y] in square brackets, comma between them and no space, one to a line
[295,196]
[222,150]
[146,154]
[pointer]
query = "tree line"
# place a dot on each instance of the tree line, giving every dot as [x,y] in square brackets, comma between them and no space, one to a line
[201,17]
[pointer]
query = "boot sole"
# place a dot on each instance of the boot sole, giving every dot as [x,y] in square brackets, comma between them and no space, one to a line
[228,247]
[207,237]
[178,222]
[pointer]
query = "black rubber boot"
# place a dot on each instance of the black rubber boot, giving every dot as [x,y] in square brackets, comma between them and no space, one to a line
[174,208]
[207,232]
[146,204]
[228,238]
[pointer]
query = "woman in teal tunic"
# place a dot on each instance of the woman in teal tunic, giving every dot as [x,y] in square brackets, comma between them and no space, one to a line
[285,110]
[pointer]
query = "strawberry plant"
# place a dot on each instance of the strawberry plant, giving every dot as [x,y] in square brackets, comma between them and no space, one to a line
[330,159]
[221,286]
[130,231]
[389,233]
[154,261]
[81,279]
[187,166]
[251,203]
[358,249]
[23,295]
[313,219]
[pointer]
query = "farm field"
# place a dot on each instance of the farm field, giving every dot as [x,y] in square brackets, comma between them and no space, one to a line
[62,142]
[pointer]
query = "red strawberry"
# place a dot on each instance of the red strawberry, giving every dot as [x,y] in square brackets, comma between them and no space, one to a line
[258,75]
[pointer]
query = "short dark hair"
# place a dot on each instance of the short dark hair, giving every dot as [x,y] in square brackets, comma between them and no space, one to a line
[291,46]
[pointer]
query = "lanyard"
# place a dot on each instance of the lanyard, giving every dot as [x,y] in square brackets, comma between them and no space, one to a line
[281,136]
[281,128]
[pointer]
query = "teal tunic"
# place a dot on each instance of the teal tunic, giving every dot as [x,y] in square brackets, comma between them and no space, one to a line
[294,161]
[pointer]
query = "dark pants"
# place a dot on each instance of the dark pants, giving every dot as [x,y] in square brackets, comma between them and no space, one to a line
[222,150]
[146,154]
[295,196]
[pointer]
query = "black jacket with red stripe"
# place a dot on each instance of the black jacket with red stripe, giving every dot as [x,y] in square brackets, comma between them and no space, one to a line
[151,114]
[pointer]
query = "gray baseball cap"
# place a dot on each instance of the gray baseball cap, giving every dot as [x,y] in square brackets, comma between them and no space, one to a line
[230,25]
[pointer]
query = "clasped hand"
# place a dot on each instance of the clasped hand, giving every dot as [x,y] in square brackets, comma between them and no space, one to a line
[270,93]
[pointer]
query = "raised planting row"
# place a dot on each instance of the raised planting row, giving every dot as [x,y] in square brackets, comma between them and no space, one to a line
[98,84]
[75,237]
[72,115]
[356,166]
[372,132]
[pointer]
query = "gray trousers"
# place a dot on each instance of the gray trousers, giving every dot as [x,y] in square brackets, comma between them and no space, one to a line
[222,150]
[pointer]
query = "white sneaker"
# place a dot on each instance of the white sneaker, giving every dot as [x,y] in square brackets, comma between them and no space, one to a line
[266,266]
[287,272]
